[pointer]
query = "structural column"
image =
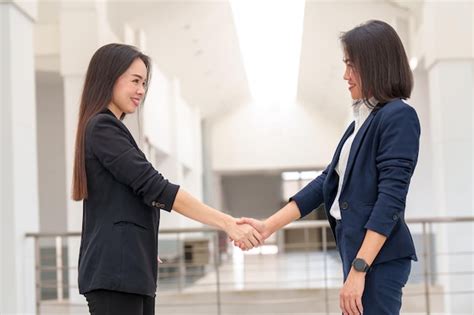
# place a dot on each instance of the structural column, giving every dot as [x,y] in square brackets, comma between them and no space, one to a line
[18,158]
[449,64]
[451,94]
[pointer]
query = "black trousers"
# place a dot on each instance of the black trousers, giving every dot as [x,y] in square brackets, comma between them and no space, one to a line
[106,302]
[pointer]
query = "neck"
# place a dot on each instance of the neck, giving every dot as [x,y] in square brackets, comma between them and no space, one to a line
[115,110]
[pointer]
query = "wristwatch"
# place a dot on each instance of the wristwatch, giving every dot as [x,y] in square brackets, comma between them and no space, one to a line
[360,265]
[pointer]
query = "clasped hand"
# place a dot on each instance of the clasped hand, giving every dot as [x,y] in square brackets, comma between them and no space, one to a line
[252,233]
[243,234]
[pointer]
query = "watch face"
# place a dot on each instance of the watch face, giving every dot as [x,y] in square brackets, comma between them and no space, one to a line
[360,265]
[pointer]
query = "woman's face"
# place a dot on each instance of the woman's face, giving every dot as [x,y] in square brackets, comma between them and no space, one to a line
[129,89]
[353,79]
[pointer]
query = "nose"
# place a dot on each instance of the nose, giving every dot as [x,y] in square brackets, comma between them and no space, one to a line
[141,90]
[347,74]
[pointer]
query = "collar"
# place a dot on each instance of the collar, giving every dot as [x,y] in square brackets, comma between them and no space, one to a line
[108,111]
[361,110]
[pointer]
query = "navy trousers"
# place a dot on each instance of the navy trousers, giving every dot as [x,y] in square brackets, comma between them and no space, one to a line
[383,283]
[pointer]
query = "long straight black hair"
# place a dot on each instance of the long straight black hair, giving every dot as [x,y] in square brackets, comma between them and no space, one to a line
[108,63]
[379,57]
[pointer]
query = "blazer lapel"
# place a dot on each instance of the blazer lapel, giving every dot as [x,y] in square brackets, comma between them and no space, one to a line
[335,158]
[355,147]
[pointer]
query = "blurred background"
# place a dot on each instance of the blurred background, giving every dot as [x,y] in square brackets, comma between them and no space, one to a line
[245,107]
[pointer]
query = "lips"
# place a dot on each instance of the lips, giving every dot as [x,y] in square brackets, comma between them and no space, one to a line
[136,101]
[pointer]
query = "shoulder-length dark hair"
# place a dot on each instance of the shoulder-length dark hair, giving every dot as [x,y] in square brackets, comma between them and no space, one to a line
[107,64]
[377,54]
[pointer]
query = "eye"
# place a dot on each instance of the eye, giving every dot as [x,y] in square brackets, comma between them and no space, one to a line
[135,81]
[144,84]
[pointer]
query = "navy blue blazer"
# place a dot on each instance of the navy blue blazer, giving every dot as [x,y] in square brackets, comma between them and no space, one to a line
[381,162]
[121,214]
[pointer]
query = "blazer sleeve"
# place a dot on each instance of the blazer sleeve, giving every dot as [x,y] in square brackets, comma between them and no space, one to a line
[396,159]
[311,196]
[114,149]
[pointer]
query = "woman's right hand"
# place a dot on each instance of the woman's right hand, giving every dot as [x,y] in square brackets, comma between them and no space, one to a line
[243,234]
[289,213]
[258,225]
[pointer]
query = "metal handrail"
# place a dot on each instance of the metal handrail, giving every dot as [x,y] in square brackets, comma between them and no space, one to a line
[426,224]
[292,225]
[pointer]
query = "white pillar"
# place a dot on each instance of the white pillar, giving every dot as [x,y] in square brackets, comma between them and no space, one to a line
[449,65]
[18,158]
[451,94]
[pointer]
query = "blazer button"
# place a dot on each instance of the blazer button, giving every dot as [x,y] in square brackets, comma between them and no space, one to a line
[158,205]
[344,205]
[395,217]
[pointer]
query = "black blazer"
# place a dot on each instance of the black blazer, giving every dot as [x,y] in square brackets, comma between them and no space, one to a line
[121,215]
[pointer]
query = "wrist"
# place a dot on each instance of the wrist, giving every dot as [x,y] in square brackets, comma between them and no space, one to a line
[226,223]
[357,274]
[269,229]
[360,266]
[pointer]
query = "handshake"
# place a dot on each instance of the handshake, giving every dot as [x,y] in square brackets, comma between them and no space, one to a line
[247,233]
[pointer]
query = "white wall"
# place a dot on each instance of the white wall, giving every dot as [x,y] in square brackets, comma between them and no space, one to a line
[422,185]
[173,130]
[442,39]
[452,106]
[51,153]
[158,112]
[285,137]
[443,30]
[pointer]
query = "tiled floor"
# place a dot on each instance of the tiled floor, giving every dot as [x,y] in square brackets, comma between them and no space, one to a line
[289,283]
[268,271]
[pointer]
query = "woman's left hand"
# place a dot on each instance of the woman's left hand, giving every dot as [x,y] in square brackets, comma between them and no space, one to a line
[350,296]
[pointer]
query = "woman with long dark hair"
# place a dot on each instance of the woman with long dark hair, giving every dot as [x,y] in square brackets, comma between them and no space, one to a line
[364,187]
[121,191]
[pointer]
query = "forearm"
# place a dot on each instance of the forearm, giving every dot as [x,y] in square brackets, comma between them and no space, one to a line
[285,215]
[192,208]
[371,246]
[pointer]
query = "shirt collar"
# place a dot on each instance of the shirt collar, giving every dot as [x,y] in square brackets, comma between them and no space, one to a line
[362,109]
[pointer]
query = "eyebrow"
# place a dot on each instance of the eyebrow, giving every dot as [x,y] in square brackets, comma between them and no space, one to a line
[138,76]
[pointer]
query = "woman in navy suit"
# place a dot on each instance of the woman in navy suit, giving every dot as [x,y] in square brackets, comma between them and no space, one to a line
[364,187]
[122,193]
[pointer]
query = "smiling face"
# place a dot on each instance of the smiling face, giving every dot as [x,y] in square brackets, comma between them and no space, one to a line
[129,89]
[352,77]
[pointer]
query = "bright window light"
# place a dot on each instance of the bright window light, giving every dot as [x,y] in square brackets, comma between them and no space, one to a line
[413,63]
[310,174]
[263,250]
[290,175]
[270,33]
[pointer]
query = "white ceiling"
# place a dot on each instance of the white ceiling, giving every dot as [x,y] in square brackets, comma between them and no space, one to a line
[196,42]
